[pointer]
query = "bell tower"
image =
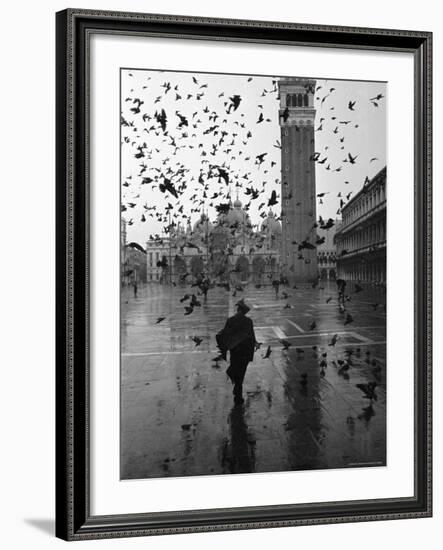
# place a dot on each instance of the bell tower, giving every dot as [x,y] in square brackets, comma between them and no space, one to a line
[298,191]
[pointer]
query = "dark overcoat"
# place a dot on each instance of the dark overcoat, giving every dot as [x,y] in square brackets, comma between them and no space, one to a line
[238,338]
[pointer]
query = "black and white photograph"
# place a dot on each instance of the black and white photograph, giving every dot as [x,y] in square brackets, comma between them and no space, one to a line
[253,273]
[218,281]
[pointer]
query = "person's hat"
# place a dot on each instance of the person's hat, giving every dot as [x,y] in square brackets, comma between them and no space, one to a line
[242,306]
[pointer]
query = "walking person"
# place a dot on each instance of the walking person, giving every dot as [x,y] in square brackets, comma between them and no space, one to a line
[204,287]
[276,285]
[238,338]
[341,287]
[135,289]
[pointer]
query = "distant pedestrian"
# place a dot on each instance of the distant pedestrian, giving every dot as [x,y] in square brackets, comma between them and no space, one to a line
[135,289]
[276,285]
[204,287]
[341,287]
[238,338]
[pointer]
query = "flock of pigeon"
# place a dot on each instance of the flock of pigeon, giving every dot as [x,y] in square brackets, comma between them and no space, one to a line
[189,156]
[195,143]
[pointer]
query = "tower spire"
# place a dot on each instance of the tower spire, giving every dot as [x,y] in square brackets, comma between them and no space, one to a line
[296,117]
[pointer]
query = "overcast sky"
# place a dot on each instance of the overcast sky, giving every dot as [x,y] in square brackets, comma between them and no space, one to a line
[232,140]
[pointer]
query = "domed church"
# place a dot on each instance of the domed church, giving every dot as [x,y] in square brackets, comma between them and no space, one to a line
[228,249]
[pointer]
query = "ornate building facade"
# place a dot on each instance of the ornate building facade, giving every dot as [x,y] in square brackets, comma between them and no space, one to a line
[225,250]
[361,237]
[298,190]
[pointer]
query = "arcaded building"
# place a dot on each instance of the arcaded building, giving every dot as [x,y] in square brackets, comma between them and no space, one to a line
[327,252]
[361,237]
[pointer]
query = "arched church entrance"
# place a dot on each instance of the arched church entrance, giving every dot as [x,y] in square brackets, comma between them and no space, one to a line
[242,268]
[219,266]
[258,270]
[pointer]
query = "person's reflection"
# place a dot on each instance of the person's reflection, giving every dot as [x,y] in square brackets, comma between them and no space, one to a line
[238,455]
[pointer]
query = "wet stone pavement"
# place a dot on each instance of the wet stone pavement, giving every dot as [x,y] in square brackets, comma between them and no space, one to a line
[177,412]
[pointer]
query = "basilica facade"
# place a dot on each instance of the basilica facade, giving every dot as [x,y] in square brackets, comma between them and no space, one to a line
[226,249]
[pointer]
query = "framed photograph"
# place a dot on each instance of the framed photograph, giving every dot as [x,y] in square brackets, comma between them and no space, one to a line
[243,274]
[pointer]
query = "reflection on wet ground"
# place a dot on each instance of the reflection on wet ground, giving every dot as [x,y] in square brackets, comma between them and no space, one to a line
[311,406]
[238,454]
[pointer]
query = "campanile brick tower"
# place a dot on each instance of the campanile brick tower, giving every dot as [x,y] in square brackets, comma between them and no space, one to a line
[298,193]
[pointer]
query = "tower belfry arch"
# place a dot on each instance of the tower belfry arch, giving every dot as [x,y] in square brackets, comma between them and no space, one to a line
[298,188]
